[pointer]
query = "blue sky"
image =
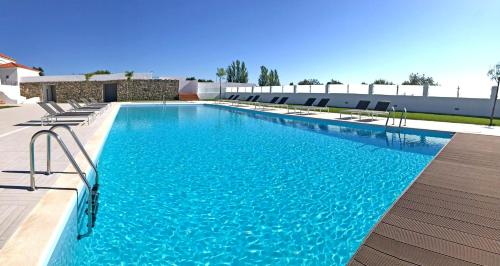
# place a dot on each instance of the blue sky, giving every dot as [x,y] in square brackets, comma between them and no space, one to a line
[352,41]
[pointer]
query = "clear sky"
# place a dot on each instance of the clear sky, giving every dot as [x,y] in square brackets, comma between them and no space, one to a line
[454,41]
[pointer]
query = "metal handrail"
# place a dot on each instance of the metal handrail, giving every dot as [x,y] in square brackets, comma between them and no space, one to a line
[405,114]
[82,149]
[90,198]
[393,115]
[389,115]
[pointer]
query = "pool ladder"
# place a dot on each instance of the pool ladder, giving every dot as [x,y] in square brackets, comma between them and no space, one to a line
[404,115]
[92,191]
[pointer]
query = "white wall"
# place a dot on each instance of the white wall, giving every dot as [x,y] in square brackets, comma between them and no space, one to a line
[10,94]
[427,104]
[24,73]
[210,90]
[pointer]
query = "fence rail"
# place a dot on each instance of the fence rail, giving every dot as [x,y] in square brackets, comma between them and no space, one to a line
[373,89]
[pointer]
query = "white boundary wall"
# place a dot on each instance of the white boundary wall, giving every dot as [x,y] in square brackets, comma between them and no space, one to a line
[433,99]
[210,90]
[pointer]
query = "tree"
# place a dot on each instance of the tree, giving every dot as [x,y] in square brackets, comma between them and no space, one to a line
[417,79]
[42,72]
[237,72]
[494,74]
[275,80]
[97,72]
[101,72]
[190,78]
[268,78]
[264,76]
[220,74]
[383,82]
[333,81]
[128,75]
[309,82]
[88,76]
[205,80]
[271,79]
[243,77]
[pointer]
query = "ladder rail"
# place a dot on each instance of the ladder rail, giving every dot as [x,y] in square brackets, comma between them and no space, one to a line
[80,146]
[393,111]
[90,202]
[403,114]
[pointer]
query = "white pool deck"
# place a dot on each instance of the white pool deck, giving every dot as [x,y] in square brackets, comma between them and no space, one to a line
[29,221]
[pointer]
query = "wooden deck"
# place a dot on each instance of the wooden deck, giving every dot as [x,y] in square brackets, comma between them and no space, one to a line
[449,216]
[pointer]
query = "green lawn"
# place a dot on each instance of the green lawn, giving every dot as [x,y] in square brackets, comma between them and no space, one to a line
[440,117]
[6,106]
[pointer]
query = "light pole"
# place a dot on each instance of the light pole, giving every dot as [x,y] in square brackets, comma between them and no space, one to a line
[497,77]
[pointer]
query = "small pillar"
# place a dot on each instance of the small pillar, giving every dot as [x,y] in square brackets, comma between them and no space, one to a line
[425,93]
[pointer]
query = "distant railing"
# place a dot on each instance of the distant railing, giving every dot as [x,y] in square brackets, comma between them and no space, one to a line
[372,89]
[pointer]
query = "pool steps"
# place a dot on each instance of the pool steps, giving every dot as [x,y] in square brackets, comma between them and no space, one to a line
[92,192]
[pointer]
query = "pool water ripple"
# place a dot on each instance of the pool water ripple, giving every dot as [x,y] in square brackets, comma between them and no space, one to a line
[197,184]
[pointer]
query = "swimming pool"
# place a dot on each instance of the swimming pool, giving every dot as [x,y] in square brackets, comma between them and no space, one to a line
[196,184]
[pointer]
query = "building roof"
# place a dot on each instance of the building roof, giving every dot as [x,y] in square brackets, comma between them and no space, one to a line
[69,78]
[16,65]
[7,57]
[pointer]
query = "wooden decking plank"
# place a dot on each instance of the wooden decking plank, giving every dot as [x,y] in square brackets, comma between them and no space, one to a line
[461,171]
[370,256]
[438,245]
[462,216]
[490,202]
[410,253]
[470,203]
[471,187]
[450,215]
[483,160]
[457,174]
[444,233]
[460,206]
[446,222]
[355,263]
[484,188]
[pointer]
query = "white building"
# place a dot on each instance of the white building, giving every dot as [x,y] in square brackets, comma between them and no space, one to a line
[11,74]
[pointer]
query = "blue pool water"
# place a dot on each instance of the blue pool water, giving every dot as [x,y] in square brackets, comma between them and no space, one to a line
[188,184]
